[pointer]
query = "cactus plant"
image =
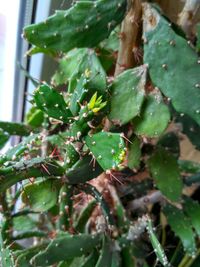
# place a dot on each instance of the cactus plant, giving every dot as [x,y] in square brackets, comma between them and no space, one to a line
[100,177]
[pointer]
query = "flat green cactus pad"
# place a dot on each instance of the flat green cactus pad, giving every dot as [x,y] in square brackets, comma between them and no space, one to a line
[51,102]
[170,141]
[43,195]
[14,152]
[192,209]
[77,62]
[6,257]
[127,95]
[165,171]
[14,128]
[107,148]
[25,169]
[154,117]
[85,24]
[83,170]
[72,246]
[181,226]
[173,64]
[134,153]
[105,258]
[190,128]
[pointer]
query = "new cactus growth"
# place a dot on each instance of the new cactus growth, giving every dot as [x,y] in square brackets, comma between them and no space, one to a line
[100,177]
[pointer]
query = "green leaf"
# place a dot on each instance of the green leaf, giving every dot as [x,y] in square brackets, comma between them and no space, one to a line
[173,64]
[192,209]
[181,226]
[108,149]
[41,196]
[73,246]
[4,137]
[85,24]
[51,102]
[164,169]
[134,153]
[79,62]
[154,117]
[127,95]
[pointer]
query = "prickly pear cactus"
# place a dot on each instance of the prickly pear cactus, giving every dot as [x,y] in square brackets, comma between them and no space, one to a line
[99,177]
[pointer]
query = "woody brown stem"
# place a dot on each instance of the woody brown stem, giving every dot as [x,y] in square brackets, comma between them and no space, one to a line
[186,16]
[130,38]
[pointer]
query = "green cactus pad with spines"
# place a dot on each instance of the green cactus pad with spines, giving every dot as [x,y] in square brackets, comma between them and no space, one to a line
[91,259]
[91,190]
[170,141]
[78,95]
[108,149]
[85,24]
[51,102]
[72,156]
[173,64]
[105,258]
[161,257]
[4,137]
[82,61]
[13,153]
[14,128]
[72,246]
[134,153]
[6,257]
[181,226]
[189,128]
[127,95]
[65,206]
[188,166]
[42,195]
[25,169]
[116,259]
[36,50]
[34,117]
[192,210]
[83,170]
[84,216]
[154,117]
[24,256]
[111,44]
[127,257]
[24,222]
[165,171]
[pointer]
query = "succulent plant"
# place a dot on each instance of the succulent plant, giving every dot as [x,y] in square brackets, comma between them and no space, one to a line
[99,178]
